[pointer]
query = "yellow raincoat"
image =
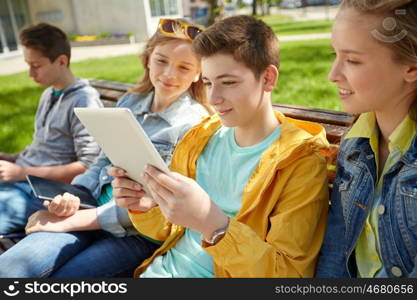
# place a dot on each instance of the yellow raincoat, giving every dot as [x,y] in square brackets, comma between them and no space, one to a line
[280,226]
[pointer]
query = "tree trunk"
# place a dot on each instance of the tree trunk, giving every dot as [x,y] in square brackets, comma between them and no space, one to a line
[254,7]
[213,11]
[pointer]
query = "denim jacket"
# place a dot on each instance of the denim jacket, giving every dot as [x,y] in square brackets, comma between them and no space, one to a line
[353,192]
[165,130]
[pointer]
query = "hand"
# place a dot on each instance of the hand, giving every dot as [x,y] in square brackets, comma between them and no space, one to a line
[63,205]
[182,201]
[8,157]
[11,172]
[127,193]
[43,220]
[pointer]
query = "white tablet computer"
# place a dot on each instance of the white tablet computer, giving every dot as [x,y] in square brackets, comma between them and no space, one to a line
[122,139]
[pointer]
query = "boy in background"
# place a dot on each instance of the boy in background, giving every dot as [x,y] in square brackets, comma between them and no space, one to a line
[61,147]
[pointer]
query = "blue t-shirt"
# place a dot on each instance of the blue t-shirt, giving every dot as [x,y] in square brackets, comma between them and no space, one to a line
[223,171]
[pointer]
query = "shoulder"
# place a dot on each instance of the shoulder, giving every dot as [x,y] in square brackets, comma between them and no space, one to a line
[189,112]
[45,94]
[86,95]
[129,99]
[203,130]
[197,108]
[348,145]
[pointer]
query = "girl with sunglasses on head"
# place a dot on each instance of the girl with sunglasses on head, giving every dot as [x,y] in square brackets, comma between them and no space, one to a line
[66,242]
[372,225]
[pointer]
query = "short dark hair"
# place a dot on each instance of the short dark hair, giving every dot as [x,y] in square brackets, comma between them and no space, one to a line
[249,40]
[48,39]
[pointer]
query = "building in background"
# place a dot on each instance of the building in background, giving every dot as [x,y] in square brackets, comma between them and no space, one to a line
[196,11]
[84,17]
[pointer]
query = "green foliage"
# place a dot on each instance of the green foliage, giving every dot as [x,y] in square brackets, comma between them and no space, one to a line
[303,81]
[72,37]
[104,35]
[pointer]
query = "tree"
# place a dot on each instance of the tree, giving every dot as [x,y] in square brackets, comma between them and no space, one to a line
[254,7]
[215,10]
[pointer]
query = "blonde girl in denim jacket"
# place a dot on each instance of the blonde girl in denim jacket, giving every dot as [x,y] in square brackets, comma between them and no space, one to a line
[372,225]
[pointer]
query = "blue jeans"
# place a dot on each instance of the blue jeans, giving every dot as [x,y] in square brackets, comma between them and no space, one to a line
[75,254]
[17,203]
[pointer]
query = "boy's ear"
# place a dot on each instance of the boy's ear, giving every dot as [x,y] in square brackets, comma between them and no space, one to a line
[270,78]
[62,60]
[411,74]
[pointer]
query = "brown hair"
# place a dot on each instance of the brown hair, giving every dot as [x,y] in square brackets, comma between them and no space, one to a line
[197,89]
[48,39]
[401,37]
[249,40]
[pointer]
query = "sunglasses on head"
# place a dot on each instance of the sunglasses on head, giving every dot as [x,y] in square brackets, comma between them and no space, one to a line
[172,27]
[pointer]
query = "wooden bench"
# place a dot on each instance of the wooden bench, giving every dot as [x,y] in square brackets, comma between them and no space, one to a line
[336,124]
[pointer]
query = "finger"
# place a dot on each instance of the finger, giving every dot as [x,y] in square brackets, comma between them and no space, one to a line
[73,205]
[160,190]
[123,182]
[73,201]
[126,193]
[163,179]
[144,204]
[163,196]
[68,202]
[61,207]
[153,186]
[116,172]
[127,202]
[54,204]
[46,203]
[32,228]
[28,229]
[30,224]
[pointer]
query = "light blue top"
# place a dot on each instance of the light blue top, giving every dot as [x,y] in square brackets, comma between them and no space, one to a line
[223,171]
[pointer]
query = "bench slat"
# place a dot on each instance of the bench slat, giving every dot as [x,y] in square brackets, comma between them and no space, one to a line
[315,114]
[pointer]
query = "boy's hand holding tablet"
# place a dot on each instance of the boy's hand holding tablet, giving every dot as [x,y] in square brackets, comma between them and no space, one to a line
[128,193]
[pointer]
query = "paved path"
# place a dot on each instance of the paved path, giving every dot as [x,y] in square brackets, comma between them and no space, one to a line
[304,37]
[15,64]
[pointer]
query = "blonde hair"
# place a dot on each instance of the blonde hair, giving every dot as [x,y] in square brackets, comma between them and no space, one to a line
[401,37]
[197,89]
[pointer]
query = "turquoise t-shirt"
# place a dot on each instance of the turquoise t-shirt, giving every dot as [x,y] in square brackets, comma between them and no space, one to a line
[223,171]
[57,93]
[106,195]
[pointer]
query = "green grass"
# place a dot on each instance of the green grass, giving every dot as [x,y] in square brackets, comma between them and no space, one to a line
[303,75]
[288,27]
[303,81]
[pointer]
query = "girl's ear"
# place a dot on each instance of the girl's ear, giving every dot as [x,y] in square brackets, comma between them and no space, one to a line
[411,74]
[270,78]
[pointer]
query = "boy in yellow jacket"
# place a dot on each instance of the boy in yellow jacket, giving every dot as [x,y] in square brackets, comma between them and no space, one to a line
[247,195]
